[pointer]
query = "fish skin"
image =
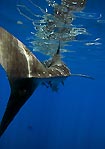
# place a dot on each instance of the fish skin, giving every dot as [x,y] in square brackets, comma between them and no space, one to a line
[25,73]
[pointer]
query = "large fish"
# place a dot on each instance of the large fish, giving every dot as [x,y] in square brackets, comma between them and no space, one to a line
[25,73]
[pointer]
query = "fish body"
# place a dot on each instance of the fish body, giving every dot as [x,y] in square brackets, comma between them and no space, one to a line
[25,73]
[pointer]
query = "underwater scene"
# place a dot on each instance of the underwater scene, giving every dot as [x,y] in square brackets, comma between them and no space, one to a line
[52,74]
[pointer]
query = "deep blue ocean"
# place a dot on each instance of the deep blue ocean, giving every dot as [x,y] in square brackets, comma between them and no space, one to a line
[73,117]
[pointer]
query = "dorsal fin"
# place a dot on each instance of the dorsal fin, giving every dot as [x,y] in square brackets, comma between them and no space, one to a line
[56,59]
[58,50]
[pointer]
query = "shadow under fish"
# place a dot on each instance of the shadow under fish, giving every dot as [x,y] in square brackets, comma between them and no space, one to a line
[25,73]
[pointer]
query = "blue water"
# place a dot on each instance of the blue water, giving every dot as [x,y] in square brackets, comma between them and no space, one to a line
[73,118]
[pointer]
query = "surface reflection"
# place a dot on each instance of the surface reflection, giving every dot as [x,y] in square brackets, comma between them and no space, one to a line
[50,27]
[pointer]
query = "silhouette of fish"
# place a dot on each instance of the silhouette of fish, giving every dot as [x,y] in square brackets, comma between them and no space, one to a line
[25,73]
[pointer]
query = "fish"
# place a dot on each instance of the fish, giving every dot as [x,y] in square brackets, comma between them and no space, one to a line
[25,73]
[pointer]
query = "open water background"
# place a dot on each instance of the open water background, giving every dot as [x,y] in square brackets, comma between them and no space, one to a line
[73,118]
